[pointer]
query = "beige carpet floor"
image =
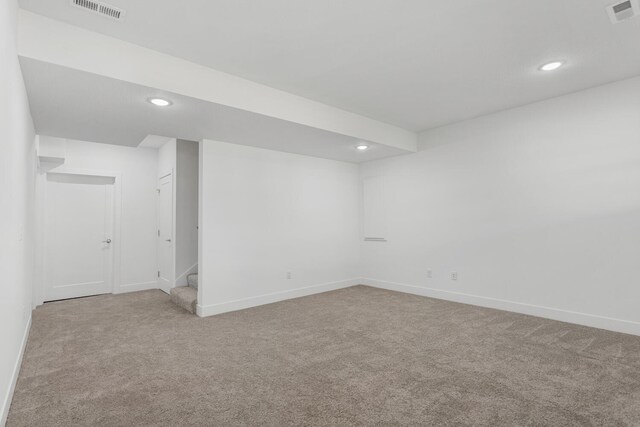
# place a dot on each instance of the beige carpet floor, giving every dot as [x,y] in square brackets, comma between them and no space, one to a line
[357,356]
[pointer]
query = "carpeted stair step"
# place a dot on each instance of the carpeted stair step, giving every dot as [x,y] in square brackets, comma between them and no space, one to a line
[185,297]
[192,280]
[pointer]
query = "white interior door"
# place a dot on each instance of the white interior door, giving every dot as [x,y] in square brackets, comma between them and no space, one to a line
[165,233]
[78,255]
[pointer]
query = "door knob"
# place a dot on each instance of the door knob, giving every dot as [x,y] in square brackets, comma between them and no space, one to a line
[106,241]
[167,240]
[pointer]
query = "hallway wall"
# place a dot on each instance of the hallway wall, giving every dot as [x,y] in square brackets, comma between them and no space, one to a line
[138,167]
[17,199]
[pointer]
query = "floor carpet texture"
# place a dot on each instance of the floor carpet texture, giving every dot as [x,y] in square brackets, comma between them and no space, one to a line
[356,356]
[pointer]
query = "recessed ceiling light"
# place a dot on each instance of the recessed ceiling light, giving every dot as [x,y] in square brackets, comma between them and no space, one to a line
[160,102]
[550,66]
[362,147]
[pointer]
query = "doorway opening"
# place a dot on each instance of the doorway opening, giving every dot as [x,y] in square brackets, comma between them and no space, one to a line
[177,234]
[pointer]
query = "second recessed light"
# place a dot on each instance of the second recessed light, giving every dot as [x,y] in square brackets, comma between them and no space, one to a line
[550,66]
[160,102]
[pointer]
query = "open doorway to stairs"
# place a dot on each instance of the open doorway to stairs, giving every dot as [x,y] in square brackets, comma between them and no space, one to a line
[165,232]
[177,234]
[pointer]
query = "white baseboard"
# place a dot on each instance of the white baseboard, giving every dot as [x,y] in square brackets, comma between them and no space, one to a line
[6,405]
[594,321]
[134,287]
[210,310]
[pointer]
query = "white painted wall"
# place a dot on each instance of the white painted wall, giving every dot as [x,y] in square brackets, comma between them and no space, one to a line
[138,168]
[17,199]
[186,210]
[537,209]
[264,213]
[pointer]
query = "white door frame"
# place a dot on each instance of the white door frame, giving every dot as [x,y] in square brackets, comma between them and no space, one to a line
[172,282]
[41,214]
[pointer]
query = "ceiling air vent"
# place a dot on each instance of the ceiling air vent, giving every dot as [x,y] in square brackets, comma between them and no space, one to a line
[623,10]
[100,8]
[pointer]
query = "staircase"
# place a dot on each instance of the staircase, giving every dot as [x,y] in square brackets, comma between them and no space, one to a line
[192,280]
[186,296]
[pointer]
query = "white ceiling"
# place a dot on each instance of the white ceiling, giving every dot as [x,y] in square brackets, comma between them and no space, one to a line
[74,104]
[414,63]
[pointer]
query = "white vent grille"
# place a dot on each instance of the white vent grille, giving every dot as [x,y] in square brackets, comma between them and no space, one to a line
[100,8]
[623,10]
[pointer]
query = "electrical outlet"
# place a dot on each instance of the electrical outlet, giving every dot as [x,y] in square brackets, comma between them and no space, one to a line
[288,275]
[429,274]
[454,275]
